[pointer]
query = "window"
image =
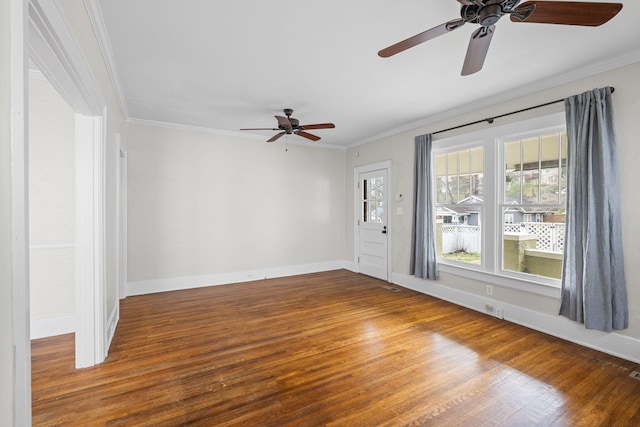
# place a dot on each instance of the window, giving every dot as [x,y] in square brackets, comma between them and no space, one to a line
[373,200]
[506,187]
[535,179]
[459,189]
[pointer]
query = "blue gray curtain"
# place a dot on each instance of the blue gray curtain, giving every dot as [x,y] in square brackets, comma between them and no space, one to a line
[423,242]
[593,283]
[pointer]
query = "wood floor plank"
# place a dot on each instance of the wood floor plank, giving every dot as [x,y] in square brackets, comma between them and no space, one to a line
[331,348]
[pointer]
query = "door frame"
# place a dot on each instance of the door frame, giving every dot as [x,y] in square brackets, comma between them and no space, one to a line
[121,216]
[385,164]
[40,33]
[53,48]
[19,203]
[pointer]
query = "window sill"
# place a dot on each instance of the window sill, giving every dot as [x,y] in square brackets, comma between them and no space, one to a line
[539,288]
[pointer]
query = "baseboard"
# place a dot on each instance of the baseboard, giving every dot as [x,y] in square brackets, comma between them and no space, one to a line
[612,343]
[180,283]
[351,266]
[112,323]
[51,327]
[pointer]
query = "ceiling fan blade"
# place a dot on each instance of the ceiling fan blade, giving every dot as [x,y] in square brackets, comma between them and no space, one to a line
[421,38]
[285,123]
[477,50]
[565,12]
[307,135]
[259,129]
[319,126]
[276,136]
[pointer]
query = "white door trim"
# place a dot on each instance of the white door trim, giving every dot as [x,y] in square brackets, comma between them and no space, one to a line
[90,238]
[386,164]
[121,215]
[21,329]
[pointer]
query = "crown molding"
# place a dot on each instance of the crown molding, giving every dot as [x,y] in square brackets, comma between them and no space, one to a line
[510,95]
[100,29]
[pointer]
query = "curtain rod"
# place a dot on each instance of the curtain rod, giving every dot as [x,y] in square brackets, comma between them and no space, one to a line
[491,119]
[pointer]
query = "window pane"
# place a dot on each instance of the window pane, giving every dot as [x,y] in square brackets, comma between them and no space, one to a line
[459,234]
[372,200]
[452,178]
[532,234]
[513,163]
[477,164]
[376,213]
[530,170]
[550,171]
[459,189]
[375,188]
[463,160]
[453,187]
[441,178]
[464,180]
[533,247]
[465,188]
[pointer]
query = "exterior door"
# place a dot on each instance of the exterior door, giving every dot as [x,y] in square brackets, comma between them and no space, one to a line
[372,223]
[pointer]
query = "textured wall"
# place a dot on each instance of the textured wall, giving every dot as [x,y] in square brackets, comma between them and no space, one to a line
[203,204]
[52,202]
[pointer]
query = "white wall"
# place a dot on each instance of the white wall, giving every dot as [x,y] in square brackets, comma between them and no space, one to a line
[399,148]
[51,211]
[205,208]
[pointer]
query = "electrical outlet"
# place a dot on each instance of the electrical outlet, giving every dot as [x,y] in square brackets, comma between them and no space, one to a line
[499,313]
[489,309]
[489,290]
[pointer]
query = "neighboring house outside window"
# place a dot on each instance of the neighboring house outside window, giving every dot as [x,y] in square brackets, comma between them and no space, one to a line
[509,185]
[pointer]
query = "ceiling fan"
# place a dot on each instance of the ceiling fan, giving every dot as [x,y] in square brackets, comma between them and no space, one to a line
[288,125]
[487,12]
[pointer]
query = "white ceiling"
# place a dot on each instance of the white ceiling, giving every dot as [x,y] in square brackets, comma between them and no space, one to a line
[226,65]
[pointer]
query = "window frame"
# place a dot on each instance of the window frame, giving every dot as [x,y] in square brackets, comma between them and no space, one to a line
[492,140]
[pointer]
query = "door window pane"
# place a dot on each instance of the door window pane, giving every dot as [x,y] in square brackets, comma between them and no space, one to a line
[373,200]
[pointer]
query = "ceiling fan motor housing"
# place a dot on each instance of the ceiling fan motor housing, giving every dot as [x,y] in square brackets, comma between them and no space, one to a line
[487,12]
[489,15]
[295,124]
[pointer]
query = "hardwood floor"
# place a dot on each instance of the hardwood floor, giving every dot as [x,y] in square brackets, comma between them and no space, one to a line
[333,349]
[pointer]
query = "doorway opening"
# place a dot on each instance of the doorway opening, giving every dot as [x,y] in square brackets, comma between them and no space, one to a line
[52,49]
[52,206]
